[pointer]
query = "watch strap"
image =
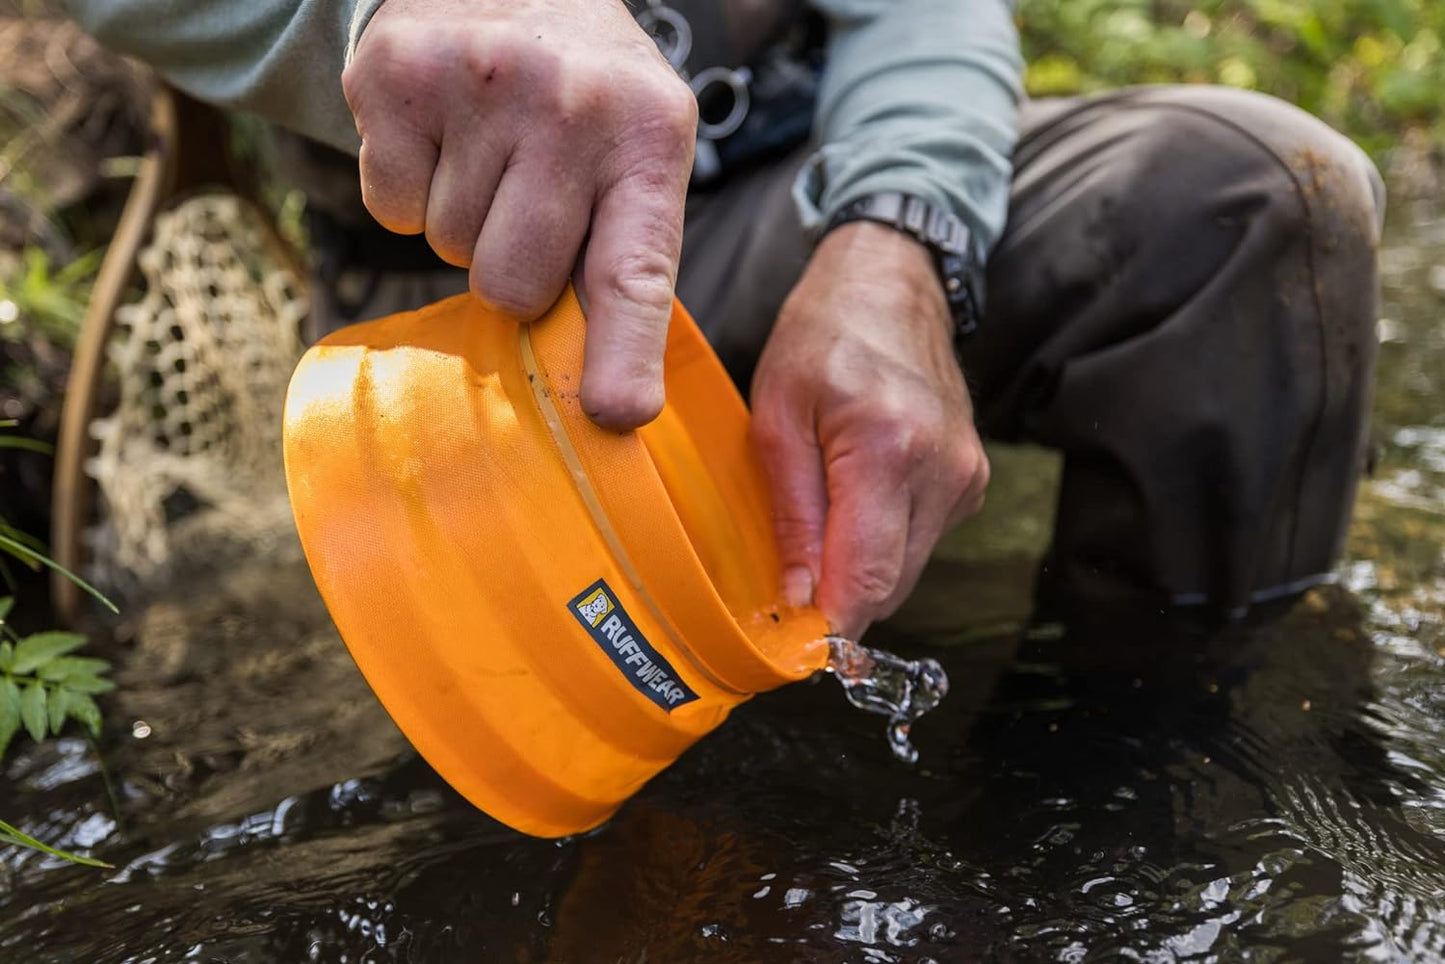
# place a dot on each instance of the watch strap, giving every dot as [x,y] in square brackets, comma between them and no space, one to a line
[943,233]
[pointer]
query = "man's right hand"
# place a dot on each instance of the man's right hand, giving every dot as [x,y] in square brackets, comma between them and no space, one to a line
[512,132]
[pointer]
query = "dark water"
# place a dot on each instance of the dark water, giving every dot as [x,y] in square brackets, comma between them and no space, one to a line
[1125,791]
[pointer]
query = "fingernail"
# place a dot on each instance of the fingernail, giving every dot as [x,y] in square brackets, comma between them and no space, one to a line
[798,586]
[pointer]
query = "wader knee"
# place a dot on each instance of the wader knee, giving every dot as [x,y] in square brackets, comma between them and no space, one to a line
[1209,385]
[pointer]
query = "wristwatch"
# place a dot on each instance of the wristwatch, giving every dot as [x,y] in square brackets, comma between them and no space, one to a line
[959,264]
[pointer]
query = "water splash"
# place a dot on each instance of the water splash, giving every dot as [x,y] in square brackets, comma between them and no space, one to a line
[879,682]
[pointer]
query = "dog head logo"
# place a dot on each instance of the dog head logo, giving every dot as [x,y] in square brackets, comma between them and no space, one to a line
[595,607]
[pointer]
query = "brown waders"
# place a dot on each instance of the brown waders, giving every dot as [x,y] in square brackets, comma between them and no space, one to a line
[1182,303]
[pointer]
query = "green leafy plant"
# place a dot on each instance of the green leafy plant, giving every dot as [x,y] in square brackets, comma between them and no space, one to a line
[43,686]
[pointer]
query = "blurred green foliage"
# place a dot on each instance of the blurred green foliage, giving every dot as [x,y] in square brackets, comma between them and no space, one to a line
[1372,68]
[52,301]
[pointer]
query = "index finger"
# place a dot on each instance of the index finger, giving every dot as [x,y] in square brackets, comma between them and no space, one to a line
[628,272]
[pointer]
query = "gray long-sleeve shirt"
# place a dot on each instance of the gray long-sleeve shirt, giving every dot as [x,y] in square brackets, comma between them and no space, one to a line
[919,96]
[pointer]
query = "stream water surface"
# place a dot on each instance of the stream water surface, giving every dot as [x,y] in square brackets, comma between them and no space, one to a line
[1126,791]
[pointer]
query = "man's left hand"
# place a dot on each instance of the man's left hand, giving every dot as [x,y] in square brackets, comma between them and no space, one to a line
[864,423]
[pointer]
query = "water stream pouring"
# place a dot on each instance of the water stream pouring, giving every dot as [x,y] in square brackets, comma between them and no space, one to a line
[879,682]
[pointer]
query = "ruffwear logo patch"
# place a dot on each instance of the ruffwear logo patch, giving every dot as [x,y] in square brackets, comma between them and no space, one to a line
[600,613]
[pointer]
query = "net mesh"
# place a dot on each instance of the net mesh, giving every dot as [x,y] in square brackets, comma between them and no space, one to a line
[188,464]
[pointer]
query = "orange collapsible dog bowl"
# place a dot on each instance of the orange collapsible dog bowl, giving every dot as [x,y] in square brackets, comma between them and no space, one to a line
[550,611]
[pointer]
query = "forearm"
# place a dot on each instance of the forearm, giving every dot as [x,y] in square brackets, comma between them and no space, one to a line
[281,59]
[920,96]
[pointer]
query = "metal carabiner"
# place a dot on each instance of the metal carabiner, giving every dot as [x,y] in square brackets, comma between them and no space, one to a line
[669,30]
[723,100]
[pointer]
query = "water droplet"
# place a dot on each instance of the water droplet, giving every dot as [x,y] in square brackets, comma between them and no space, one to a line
[879,682]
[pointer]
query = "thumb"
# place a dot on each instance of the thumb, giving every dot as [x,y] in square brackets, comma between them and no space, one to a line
[628,273]
[790,453]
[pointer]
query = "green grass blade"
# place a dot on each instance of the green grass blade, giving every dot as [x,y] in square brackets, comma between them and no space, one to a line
[20,838]
[28,444]
[25,552]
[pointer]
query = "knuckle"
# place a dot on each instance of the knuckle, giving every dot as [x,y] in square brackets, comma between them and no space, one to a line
[903,441]
[388,58]
[895,448]
[510,293]
[642,279]
[498,59]
[378,47]
[793,529]
[677,107]
[576,102]
[982,473]
[970,484]
[870,586]
[919,432]
[353,84]
[659,117]
[961,465]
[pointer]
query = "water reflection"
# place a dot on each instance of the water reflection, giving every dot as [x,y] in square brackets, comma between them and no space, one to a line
[1141,791]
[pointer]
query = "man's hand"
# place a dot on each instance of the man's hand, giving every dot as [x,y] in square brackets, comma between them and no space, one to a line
[865,426]
[510,132]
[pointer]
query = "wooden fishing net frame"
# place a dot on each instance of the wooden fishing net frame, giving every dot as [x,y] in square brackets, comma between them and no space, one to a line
[187,157]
